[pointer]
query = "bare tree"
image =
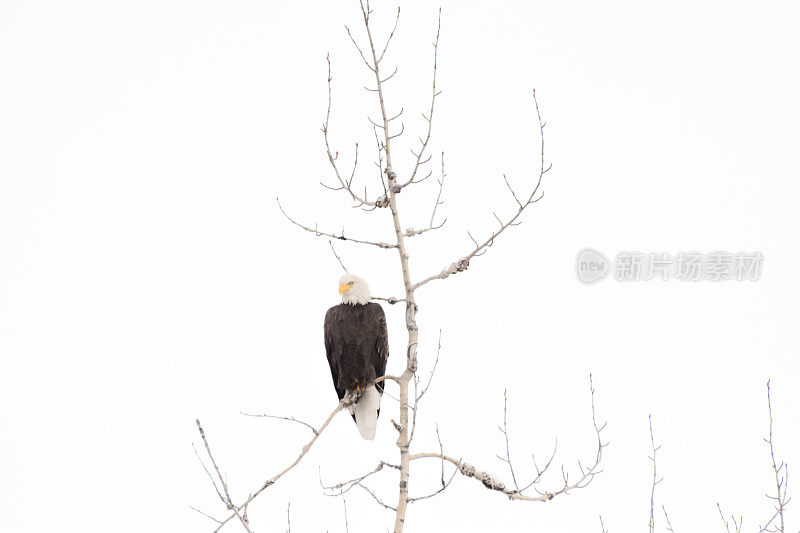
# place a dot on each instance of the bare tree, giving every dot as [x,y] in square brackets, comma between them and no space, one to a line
[656,479]
[781,498]
[392,184]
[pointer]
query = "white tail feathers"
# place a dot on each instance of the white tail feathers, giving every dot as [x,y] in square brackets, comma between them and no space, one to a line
[366,412]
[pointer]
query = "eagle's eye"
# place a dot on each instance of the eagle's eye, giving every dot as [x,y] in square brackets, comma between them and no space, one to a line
[351,283]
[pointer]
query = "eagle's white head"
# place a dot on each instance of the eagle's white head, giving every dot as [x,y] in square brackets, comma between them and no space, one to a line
[354,290]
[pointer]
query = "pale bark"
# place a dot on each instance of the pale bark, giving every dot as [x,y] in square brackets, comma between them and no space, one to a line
[391,188]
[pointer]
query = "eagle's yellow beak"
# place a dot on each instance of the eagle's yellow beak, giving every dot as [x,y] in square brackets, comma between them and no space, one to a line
[344,288]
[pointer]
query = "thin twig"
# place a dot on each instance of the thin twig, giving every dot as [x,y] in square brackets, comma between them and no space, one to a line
[340,237]
[344,487]
[666,516]
[656,481]
[205,514]
[227,499]
[288,418]
[272,480]
[504,431]
[330,243]
[418,395]
[781,479]
[431,226]
[332,157]
[429,119]
[346,524]
[490,482]
[463,263]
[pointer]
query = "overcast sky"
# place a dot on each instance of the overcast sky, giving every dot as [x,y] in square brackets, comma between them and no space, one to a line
[147,277]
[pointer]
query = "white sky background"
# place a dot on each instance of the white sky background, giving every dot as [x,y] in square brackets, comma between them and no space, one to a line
[147,277]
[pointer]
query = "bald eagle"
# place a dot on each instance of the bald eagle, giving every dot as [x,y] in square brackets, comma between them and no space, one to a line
[357,346]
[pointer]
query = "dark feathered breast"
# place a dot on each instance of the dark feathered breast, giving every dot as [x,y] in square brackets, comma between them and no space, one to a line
[357,345]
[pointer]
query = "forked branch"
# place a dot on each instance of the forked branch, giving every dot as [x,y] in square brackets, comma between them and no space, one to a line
[345,184]
[493,483]
[781,473]
[345,402]
[781,499]
[656,479]
[410,232]
[420,156]
[534,196]
[319,233]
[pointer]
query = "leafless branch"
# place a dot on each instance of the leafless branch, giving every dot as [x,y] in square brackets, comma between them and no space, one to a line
[504,431]
[781,472]
[492,483]
[346,185]
[205,514]
[666,517]
[345,402]
[431,226]
[781,498]
[227,497]
[519,204]
[418,395]
[429,119]
[656,480]
[376,498]
[287,418]
[737,526]
[541,472]
[330,243]
[210,477]
[445,483]
[340,237]
[463,263]
[360,52]
[379,164]
[391,300]
[346,524]
[387,377]
[386,46]
[343,487]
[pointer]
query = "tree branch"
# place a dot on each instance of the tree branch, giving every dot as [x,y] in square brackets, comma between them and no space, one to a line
[429,119]
[656,481]
[492,483]
[504,431]
[463,263]
[340,237]
[410,232]
[345,184]
[227,498]
[781,479]
[345,402]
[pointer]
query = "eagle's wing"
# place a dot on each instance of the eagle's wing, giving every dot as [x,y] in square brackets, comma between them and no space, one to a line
[381,344]
[334,354]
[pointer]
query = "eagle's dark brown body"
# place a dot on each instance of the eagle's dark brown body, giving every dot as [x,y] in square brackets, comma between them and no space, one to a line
[357,345]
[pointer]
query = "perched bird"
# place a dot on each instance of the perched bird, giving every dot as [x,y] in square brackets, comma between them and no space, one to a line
[357,345]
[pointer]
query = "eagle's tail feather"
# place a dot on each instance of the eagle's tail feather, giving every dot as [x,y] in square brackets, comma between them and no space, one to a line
[365,412]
